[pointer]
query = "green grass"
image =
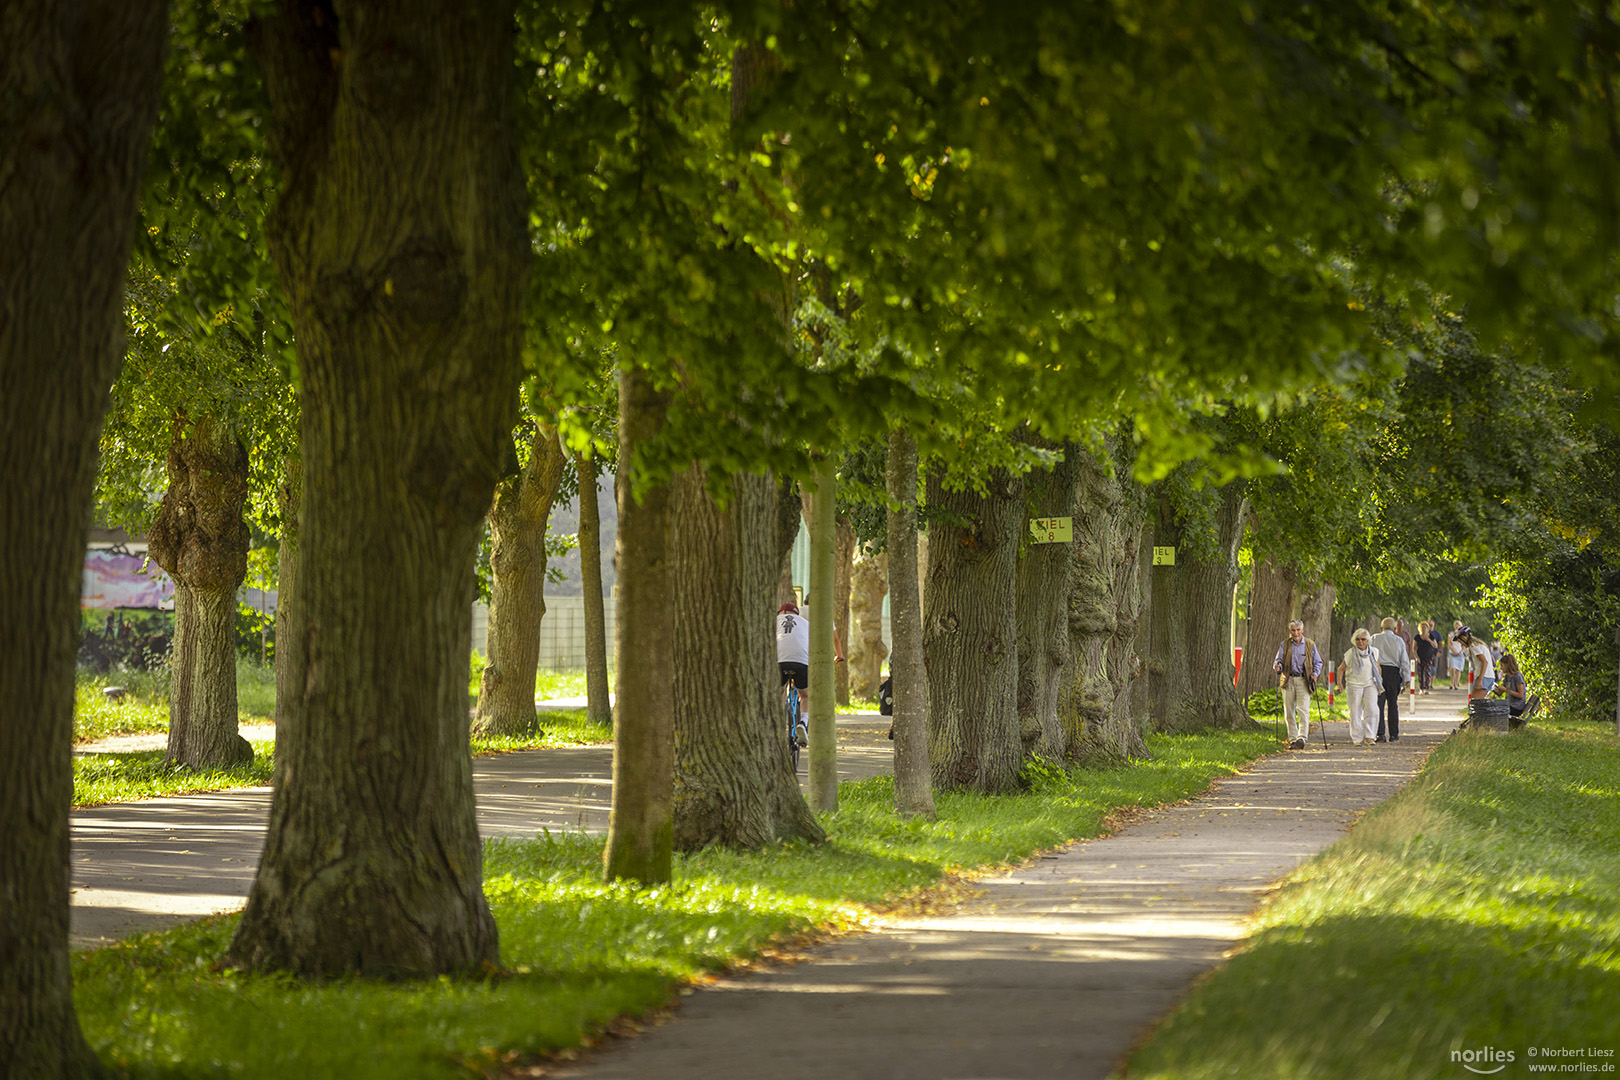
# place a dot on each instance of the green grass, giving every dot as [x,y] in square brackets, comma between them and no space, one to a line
[1480,907]
[577,953]
[107,778]
[144,709]
[562,684]
[126,777]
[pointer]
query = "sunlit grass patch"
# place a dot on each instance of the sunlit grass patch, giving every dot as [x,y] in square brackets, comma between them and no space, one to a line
[108,778]
[143,708]
[1478,907]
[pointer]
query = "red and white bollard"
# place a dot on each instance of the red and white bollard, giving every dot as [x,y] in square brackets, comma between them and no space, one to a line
[1411,701]
[1331,674]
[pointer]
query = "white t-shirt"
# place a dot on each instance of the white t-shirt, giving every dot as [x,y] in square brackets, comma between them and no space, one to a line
[1479,648]
[792,638]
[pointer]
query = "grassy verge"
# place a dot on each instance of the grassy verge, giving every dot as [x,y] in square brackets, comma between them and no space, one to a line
[144,708]
[578,953]
[109,778]
[1480,907]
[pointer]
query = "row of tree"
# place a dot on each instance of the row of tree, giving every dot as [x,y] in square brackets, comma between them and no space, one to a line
[1026,247]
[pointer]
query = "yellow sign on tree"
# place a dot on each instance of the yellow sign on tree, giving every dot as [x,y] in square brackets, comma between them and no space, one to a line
[1164,556]
[1051,530]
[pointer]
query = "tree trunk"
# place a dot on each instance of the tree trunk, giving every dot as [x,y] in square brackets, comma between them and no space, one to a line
[868,585]
[823,726]
[1190,663]
[913,782]
[517,529]
[1104,607]
[734,779]
[598,706]
[201,541]
[290,496]
[1045,573]
[641,828]
[1316,612]
[843,569]
[78,93]
[400,239]
[789,513]
[970,634]
[1273,603]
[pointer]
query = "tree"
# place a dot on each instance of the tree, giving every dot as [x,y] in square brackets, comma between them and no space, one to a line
[517,524]
[734,781]
[970,633]
[399,237]
[1045,577]
[640,843]
[598,706]
[79,90]
[913,781]
[1189,666]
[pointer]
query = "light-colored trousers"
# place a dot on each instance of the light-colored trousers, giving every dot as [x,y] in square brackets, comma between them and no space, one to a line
[1363,702]
[1297,706]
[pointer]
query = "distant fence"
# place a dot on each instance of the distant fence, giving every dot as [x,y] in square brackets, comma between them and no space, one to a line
[562,632]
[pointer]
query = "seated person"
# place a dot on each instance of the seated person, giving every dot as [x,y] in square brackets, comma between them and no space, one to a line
[1512,685]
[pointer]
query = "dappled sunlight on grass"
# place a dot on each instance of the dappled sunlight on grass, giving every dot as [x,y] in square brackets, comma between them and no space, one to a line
[109,778]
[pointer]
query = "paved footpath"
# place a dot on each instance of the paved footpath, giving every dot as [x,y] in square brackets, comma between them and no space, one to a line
[1059,967]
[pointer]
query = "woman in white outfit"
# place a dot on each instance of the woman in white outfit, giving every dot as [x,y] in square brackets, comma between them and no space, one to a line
[1359,675]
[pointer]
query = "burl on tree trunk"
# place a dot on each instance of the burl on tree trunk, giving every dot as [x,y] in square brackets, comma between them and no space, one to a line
[970,634]
[79,88]
[734,779]
[400,238]
[517,529]
[1104,608]
[200,539]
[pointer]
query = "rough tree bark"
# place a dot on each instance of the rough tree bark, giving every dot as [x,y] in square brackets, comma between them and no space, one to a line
[734,779]
[789,515]
[843,569]
[868,585]
[913,782]
[289,497]
[1190,664]
[641,827]
[970,634]
[78,94]
[1316,612]
[517,604]
[598,705]
[1045,573]
[1273,602]
[201,540]
[1105,609]
[823,719]
[400,239]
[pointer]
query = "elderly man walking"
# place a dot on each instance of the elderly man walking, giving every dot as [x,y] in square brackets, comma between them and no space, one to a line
[1299,664]
[1395,666]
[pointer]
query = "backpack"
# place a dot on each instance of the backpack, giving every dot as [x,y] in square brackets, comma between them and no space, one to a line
[886,697]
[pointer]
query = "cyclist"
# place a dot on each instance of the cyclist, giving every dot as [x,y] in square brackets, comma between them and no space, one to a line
[793,659]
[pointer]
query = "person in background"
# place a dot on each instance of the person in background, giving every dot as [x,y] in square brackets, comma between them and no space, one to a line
[1512,685]
[1427,652]
[1395,667]
[1479,656]
[1405,635]
[1359,675]
[1300,665]
[1455,662]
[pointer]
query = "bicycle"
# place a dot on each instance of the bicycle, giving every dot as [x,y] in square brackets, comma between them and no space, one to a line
[793,723]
